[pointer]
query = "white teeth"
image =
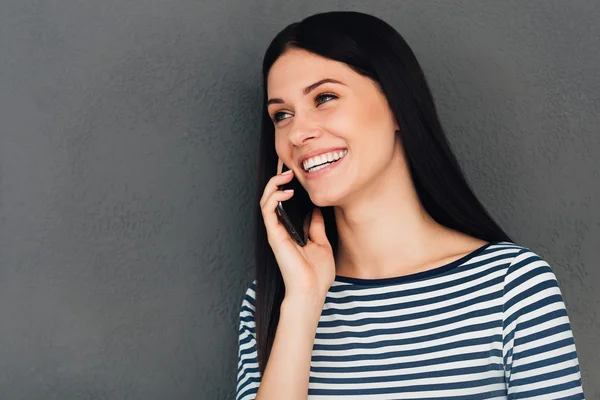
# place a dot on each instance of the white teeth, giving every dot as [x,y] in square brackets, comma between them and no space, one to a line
[316,168]
[324,158]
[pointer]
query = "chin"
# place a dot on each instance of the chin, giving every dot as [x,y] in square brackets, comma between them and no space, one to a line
[325,200]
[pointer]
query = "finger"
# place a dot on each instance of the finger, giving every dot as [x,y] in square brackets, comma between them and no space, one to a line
[272,185]
[268,212]
[316,230]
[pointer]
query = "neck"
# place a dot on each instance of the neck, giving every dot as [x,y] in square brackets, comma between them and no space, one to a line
[384,231]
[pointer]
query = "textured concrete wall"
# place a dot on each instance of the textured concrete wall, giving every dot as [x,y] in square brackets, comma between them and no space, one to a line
[127,138]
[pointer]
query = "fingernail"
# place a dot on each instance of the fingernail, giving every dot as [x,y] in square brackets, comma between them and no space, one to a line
[289,171]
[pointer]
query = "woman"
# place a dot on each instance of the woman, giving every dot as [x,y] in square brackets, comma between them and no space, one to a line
[412,291]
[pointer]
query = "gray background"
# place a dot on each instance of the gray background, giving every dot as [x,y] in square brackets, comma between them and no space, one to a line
[128,135]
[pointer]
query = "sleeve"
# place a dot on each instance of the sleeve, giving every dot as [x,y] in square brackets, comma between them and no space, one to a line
[248,376]
[540,359]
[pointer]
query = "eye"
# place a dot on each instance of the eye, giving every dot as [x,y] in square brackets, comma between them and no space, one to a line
[324,95]
[274,116]
[275,119]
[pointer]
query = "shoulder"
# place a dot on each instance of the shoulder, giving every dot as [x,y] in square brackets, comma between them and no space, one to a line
[526,267]
[530,286]
[247,305]
[247,323]
[524,271]
[517,261]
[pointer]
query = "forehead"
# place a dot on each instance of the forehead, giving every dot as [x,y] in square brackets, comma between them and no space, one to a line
[296,69]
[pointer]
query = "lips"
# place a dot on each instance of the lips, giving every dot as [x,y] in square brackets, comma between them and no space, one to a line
[311,176]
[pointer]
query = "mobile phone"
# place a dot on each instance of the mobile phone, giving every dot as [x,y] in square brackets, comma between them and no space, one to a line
[295,214]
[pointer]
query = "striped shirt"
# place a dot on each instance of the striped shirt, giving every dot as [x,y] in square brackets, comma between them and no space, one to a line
[490,325]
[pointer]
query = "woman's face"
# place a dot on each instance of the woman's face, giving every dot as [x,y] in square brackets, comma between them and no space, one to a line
[352,115]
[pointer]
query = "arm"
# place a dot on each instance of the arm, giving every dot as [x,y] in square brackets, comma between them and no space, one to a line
[540,359]
[287,372]
[288,369]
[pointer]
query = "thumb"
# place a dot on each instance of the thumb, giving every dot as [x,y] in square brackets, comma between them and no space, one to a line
[316,231]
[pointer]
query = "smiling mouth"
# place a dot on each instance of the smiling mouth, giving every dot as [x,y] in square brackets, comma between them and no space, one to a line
[321,166]
[323,163]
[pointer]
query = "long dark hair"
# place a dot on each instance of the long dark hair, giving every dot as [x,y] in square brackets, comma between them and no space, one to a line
[376,50]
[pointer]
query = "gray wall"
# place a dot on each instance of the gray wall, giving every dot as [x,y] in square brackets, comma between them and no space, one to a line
[127,160]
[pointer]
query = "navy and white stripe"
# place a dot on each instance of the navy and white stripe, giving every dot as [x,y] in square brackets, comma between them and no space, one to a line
[491,325]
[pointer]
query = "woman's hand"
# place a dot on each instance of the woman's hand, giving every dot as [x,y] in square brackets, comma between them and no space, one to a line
[308,270]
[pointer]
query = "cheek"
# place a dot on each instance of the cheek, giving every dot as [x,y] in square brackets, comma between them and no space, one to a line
[280,142]
[279,152]
[376,113]
[282,148]
[360,116]
[344,119]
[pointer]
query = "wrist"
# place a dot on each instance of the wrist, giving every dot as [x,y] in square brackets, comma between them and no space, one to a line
[303,303]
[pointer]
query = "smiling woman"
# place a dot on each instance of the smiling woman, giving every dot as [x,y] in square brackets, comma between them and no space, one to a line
[406,288]
[345,112]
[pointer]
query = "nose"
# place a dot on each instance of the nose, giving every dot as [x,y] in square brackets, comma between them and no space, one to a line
[303,130]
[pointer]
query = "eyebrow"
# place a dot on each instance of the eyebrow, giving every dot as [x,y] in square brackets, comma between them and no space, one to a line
[308,89]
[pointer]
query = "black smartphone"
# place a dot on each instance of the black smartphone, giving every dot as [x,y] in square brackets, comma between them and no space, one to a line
[294,212]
